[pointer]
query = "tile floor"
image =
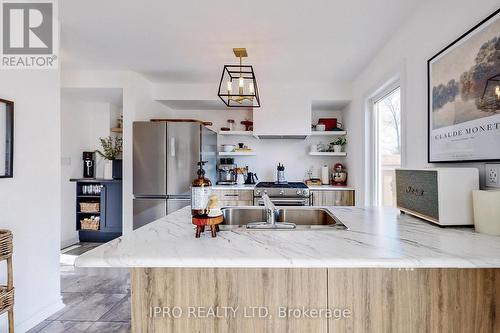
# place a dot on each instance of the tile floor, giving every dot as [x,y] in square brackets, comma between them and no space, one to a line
[97,300]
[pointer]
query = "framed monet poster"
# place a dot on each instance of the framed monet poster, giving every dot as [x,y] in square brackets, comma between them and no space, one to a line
[464,97]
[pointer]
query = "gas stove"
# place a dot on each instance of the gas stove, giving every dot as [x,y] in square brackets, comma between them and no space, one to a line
[281,185]
[283,194]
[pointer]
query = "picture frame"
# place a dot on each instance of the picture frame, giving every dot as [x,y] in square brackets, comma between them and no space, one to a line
[6,138]
[463,101]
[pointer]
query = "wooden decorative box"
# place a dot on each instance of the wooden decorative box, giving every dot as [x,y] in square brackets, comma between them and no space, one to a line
[89,207]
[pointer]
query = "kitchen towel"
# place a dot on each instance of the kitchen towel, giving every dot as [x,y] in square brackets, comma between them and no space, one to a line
[325,176]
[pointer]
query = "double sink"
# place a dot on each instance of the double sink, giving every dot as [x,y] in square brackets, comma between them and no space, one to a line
[303,217]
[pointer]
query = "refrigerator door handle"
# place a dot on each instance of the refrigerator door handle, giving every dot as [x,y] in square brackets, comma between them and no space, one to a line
[172,146]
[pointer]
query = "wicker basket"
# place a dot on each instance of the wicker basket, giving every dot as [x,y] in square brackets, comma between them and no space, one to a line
[5,244]
[88,224]
[6,298]
[89,207]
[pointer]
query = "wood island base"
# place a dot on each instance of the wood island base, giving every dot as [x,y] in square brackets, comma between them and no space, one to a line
[315,300]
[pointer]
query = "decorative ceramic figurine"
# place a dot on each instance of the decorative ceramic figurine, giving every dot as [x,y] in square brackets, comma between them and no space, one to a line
[339,175]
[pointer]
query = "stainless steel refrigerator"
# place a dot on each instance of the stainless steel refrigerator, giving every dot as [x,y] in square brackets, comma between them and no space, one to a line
[165,163]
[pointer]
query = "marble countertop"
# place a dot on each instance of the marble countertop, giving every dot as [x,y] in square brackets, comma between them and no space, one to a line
[234,187]
[95,180]
[377,237]
[330,188]
[312,187]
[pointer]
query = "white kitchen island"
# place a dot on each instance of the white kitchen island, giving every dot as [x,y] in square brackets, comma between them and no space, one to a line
[388,272]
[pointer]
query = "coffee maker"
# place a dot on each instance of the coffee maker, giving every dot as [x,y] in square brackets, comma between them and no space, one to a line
[88,164]
[226,172]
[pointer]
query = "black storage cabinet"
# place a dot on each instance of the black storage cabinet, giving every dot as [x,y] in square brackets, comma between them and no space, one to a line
[110,212]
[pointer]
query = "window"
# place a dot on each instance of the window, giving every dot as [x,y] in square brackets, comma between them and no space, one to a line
[387,137]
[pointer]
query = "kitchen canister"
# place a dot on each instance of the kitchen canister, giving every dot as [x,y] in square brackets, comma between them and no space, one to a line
[487,212]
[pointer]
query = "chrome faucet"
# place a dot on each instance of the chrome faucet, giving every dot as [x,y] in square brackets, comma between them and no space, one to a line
[271,211]
[271,218]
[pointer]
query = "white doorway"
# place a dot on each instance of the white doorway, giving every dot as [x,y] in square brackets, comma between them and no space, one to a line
[87,114]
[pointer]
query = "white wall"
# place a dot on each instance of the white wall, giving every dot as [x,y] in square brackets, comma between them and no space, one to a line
[292,153]
[82,124]
[138,104]
[286,109]
[30,202]
[289,110]
[433,26]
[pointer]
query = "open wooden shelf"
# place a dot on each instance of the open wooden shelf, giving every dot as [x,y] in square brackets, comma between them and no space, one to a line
[327,153]
[117,130]
[328,133]
[237,153]
[236,133]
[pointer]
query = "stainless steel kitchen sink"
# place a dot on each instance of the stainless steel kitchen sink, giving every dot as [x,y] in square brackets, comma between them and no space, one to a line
[303,217]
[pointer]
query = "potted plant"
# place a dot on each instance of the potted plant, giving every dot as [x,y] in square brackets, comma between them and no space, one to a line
[338,144]
[111,150]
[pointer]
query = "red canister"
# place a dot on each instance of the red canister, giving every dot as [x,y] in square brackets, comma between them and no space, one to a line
[330,123]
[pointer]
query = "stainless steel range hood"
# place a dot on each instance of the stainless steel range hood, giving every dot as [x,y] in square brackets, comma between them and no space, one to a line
[282,137]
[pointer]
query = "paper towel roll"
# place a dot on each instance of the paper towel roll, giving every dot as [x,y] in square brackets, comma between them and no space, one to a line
[325,175]
[487,212]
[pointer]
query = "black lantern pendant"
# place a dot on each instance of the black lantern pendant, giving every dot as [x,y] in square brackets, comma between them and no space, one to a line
[243,78]
[490,100]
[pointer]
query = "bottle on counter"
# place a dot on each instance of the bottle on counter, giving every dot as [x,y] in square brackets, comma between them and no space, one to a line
[205,210]
[200,192]
[280,174]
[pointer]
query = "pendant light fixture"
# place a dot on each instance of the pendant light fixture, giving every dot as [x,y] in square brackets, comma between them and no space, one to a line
[490,99]
[238,86]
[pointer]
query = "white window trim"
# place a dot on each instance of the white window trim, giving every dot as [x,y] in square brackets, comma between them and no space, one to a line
[371,155]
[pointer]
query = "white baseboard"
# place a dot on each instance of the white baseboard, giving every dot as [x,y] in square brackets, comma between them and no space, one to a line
[38,317]
[68,242]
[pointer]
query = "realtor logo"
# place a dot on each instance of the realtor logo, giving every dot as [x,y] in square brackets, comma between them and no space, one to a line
[28,34]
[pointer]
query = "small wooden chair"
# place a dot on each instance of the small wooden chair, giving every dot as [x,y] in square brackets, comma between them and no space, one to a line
[7,291]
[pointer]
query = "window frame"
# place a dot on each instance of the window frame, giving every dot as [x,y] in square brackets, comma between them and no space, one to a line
[374,195]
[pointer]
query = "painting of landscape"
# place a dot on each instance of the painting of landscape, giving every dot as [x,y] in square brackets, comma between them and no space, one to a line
[464,92]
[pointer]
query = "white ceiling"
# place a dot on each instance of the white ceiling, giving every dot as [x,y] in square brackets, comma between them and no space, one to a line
[96,95]
[324,105]
[190,41]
